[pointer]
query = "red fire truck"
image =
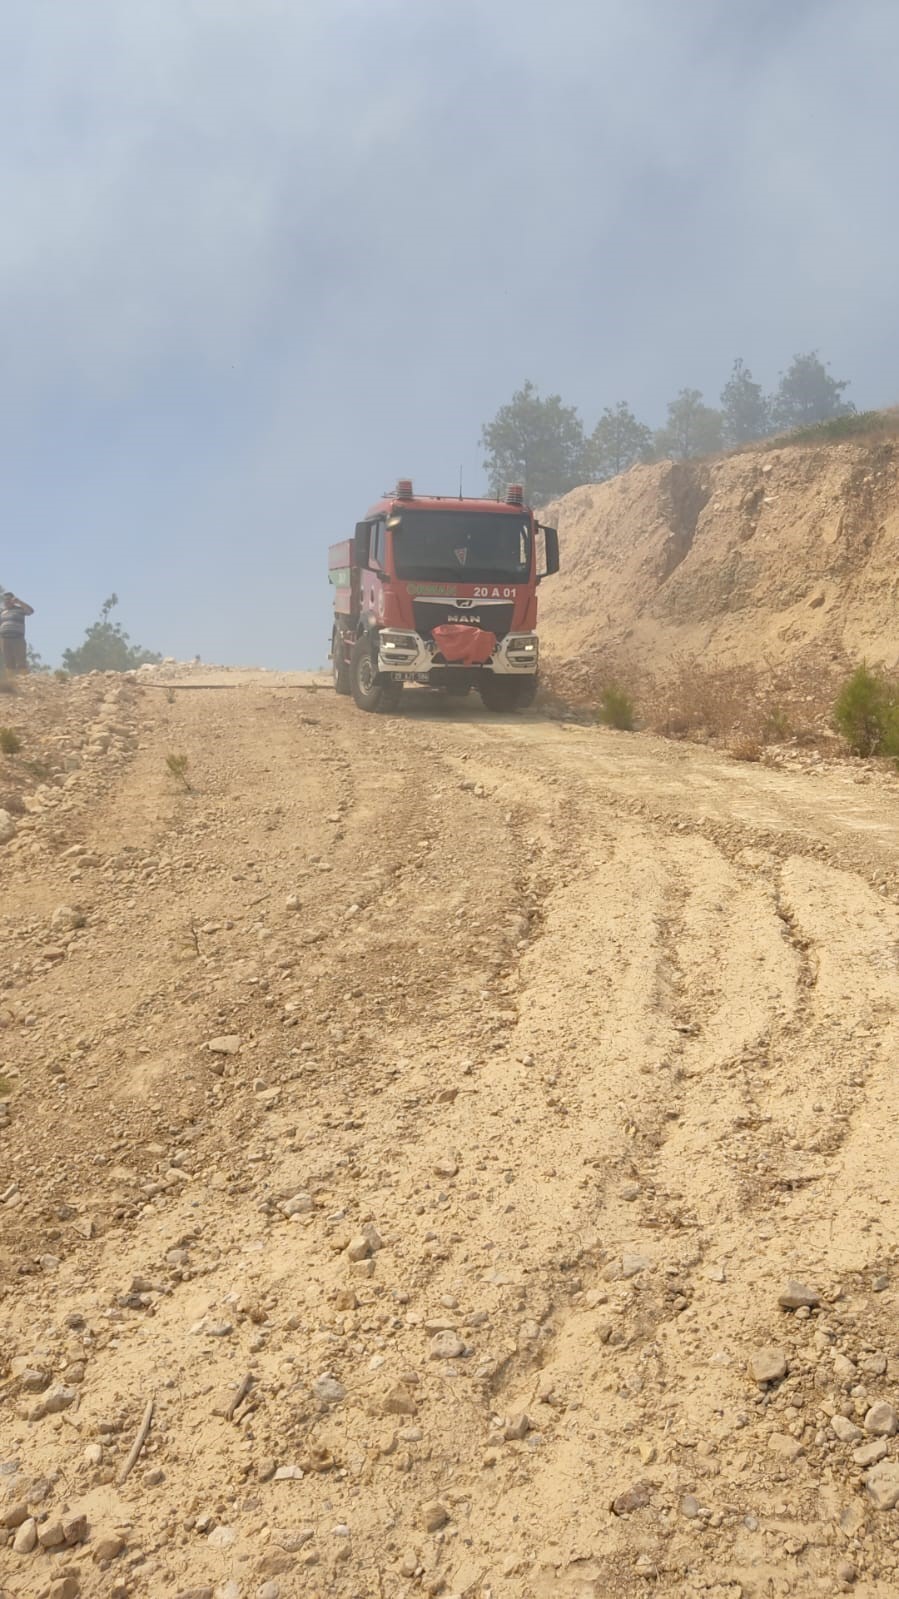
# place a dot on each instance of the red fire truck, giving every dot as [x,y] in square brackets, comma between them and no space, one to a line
[441,592]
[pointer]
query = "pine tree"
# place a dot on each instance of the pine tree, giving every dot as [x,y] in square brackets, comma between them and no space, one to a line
[745,412]
[808,394]
[538,443]
[617,442]
[693,428]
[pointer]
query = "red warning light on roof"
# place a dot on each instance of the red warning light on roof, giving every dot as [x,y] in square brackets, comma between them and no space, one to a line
[404,489]
[515,495]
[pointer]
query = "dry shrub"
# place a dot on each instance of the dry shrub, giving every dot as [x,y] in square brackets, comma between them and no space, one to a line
[10,742]
[706,699]
[699,699]
[177,766]
[769,703]
[582,688]
[746,748]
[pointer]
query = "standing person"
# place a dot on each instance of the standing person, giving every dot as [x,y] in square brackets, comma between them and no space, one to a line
[13,612]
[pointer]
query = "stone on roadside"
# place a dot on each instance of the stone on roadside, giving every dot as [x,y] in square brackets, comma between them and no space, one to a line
[222,1537]
[768,1365]
[294,1539]
[67,1587]
[7,828]
[50,1535]
[66,918]
[446,1346]
[517,1427]
[299,1205]
[796,1296]
[399,1401]
[780,1443]
[434,1515]
[225,1044]
[845,1430]
[881,1421]
[52,1402]
[107,1548]
[327,1390]
[74,1529]
[635,1498]
[868,1454]
[358,1248]
[26,1537]
[882,1483]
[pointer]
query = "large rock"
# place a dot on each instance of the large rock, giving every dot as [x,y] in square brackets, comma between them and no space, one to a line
[768,1365]
[796,1296]
[882,1483]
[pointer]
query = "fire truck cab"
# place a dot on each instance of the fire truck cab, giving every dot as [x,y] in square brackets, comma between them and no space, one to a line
[441,592]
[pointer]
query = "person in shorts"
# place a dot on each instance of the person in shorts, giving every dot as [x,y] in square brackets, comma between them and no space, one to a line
[13,650]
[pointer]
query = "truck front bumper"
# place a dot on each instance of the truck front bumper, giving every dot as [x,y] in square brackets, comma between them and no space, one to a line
[407,653]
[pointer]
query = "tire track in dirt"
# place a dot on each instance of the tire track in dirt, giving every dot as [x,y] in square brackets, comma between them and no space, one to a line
[537,1021]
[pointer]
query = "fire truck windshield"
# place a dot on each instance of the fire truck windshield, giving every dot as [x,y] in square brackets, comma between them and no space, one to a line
[465,546]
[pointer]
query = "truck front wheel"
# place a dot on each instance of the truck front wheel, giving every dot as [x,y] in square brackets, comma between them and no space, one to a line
[369,689]
[508,693]
[338,663]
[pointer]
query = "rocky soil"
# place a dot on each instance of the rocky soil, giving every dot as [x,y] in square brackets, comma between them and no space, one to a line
[439,1154]
[772,559]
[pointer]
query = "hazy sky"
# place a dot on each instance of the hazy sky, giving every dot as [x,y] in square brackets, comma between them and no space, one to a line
[260,257]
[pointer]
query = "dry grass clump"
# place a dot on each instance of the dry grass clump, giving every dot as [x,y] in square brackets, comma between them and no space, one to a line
[744,707]
[746,748]
[176,766]
[10,742]
[698,699]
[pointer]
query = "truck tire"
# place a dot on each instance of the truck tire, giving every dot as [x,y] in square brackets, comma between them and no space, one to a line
[508,693]
[338,664]
[369,689]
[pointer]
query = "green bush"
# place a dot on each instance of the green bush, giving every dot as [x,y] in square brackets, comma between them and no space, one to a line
[10,742]
[867,713]
[106,647]
[616,709]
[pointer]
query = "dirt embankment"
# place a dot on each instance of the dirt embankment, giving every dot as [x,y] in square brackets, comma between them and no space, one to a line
[769,559]
[427,1114]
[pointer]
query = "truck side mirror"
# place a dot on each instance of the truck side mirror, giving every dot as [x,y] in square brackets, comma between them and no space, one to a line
[361,543]
[550,541]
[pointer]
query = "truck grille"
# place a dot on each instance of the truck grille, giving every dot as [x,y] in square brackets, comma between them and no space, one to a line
[492,618]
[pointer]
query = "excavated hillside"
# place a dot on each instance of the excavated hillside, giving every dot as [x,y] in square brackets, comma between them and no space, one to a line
[770,557]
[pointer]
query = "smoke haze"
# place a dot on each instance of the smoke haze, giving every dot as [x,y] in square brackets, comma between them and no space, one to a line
[258,259]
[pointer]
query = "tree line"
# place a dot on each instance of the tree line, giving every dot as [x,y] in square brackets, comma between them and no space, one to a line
[543,444]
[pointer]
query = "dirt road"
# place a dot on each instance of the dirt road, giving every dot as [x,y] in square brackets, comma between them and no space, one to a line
[544,1058]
